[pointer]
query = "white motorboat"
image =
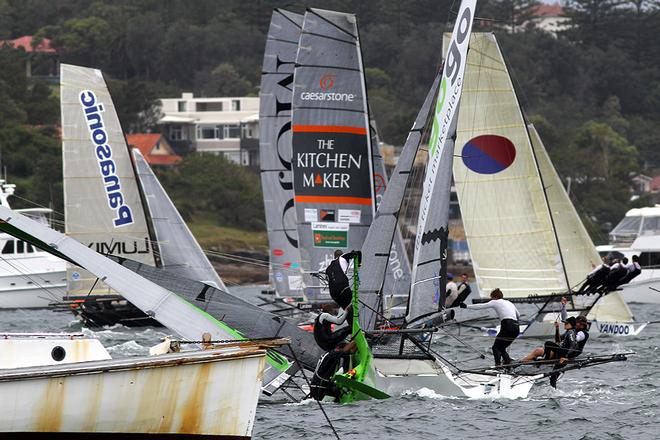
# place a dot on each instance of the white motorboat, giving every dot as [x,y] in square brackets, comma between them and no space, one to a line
[638,233]
[29,277]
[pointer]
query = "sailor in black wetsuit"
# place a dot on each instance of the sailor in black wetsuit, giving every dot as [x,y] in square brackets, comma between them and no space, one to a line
[323,334]
[617,272]
[581,336]
[595,278]
[633,268]
[340,290]
[321,383]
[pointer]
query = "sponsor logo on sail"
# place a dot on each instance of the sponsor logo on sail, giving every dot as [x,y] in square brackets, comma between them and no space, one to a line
[327,82]
[94,120]
[278,252]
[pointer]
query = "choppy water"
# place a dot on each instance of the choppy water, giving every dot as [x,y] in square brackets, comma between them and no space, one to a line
[614,401]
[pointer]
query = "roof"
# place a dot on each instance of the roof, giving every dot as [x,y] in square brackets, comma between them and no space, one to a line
[655,184]
[145,142]
[545,10]
[26,41]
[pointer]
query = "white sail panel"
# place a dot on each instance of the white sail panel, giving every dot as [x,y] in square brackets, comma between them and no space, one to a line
[505,214]
[102,204]
[578,251]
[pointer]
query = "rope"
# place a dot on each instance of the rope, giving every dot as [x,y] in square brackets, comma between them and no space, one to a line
[302,370]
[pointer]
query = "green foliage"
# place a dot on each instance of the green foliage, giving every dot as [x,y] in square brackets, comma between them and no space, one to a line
[206,185]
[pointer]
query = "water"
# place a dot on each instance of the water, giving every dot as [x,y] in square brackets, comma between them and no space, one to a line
[613,401]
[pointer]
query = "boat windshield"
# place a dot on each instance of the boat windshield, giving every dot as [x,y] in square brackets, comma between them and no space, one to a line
[626,231]
[651,226]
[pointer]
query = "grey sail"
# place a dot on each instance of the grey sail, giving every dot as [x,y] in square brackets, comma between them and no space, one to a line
[179,251]
[275,151]
[102,202]
[398,275]
[376,249]
[242,317]
[332,169]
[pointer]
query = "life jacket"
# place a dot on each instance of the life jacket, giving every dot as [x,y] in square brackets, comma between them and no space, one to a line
[325,337]
[581,344]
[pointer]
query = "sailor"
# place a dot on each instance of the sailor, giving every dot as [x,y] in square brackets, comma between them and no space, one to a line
[617,272]
[340,290]
[451,290]
[324,336]
[321,383]
[563,347]
[582,335]
[464,290]
[633,268]
[595,278]
[509,329]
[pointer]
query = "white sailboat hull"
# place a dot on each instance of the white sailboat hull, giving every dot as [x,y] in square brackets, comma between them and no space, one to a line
[396,376]
[32,282]
[210,393]
[639,290]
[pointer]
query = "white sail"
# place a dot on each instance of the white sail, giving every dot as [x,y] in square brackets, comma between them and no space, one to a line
[102,203]
[429,262]
[504,209]
[578,251]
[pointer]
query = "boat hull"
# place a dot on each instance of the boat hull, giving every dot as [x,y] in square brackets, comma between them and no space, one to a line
[640,291]
[210,393]
[31,291]
[396,376]
[546,329]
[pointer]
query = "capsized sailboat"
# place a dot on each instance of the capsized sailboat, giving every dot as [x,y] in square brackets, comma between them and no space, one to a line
[523,232]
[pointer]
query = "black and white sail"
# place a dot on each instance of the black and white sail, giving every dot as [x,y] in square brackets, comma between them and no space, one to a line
[332,152]
[275,151]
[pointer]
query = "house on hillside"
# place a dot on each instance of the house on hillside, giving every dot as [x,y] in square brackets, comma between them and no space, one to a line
[41,61]
[550,18]
[227,126]
[154,147]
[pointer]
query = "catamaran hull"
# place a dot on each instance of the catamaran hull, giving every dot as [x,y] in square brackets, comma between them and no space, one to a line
[397,376]
[640,291]
[210,393]
[546,329]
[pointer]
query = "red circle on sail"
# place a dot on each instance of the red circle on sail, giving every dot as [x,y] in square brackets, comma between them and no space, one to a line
[278,252]
[488,154]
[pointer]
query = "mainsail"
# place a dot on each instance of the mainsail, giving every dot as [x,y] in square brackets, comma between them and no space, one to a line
[384,228]
[275,151]
[504,210]
[102,203]
[398,275]
[179,251]
[578,251]
[332,169]
[427,293]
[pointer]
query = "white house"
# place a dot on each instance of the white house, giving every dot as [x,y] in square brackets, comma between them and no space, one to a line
[228,126]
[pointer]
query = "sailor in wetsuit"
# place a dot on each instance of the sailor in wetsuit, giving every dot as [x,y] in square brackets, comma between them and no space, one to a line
[595,278]
[633,268]
[618,272]
[509,329]
[321,384]
[462,292]
[340,290]
[323,334]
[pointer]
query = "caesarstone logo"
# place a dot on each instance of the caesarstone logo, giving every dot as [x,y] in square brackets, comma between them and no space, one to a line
[327,82]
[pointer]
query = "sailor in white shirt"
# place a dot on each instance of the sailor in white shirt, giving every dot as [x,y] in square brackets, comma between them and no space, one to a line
[451,291]
[509,328]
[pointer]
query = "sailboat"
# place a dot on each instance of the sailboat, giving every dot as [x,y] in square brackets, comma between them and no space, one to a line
[338,172]
[524,234]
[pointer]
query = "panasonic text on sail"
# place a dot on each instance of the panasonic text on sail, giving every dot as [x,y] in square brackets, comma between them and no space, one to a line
[92,110]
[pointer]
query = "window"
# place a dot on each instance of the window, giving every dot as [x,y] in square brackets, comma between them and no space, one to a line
[182,106]
[209,106]
[236,105]
[651,226]
[649,259]
[30,248]
[232,131]
[8,248]
[20,247]
[207,132]
[176,133]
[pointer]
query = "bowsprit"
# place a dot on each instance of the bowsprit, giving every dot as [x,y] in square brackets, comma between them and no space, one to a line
[107,167]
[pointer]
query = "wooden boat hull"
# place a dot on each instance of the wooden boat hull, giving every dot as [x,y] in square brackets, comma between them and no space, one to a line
[210,394]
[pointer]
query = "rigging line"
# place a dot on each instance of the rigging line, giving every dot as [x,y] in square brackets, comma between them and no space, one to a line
[302,370]
[476,350]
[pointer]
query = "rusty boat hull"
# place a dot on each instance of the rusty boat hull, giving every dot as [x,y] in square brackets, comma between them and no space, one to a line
[204,394]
